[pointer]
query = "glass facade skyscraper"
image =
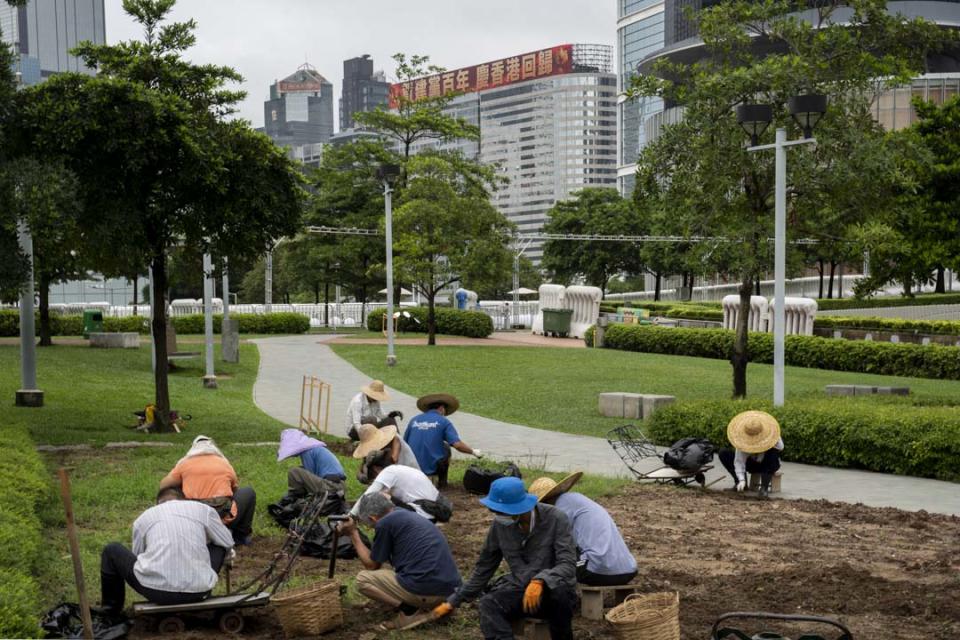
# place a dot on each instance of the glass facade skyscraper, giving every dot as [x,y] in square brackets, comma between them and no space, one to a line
[299,113]
[362,89]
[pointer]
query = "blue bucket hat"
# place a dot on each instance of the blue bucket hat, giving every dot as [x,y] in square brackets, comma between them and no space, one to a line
[509,496]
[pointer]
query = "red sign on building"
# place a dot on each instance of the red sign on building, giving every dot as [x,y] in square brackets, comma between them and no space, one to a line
[499,73]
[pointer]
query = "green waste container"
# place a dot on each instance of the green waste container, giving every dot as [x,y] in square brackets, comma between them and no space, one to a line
[92,322]
[557,322]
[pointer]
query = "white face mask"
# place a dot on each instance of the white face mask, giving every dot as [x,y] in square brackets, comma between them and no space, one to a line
[507,521]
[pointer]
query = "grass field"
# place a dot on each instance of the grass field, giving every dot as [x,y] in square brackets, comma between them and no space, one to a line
[557,389]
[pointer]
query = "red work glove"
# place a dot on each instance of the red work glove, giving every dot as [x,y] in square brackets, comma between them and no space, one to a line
[442,609]
[532,596]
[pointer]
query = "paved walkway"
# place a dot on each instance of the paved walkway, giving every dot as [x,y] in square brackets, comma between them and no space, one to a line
[284,360]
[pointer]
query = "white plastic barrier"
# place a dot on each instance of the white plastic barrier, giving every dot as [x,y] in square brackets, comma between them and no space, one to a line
[799,314]
[551,297]
[756,320]
[585,303]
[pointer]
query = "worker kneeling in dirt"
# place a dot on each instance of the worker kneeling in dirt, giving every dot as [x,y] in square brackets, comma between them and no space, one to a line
[409,489]
[423,574]
[536,541]
[756,437]
[321,471]
[179,546]
[604,559]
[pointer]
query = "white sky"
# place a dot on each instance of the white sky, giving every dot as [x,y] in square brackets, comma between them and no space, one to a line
[268,39]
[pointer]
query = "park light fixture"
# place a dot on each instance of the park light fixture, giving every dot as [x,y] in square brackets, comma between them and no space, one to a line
[754,119]
[807,110]
[388,174]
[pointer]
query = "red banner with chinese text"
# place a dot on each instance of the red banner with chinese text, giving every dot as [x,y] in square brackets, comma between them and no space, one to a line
[499,73]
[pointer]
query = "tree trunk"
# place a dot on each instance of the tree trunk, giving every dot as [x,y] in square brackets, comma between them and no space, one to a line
[908,287]
[316,293]
[657,281]
[135,294]
[161,413]
[690,280]
[431,320]
[757,286]
[820,270]
[840,281]
[941,280]
[44,291]
[833,269]
[326,304]
[740,355]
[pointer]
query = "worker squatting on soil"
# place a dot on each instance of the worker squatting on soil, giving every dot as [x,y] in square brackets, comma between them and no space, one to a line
[756,437]
[382,446]
[431,436]
[364,408]
[320,470]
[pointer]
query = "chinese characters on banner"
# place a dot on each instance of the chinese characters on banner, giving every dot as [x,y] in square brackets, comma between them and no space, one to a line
[537,64]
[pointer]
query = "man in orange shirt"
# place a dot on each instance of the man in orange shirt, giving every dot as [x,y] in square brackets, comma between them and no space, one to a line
[204,474]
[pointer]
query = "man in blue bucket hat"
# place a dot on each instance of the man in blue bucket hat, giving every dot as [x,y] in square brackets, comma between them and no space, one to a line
[536,541]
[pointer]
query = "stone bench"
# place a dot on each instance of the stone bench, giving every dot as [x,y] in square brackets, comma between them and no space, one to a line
[115,340]
[864,390]
[531,629]
[633,406]
[592,598]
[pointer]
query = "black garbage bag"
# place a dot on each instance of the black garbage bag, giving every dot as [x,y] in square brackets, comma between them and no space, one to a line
[477,479]
[689,454]
[289,508]
[64,621]
[318,543]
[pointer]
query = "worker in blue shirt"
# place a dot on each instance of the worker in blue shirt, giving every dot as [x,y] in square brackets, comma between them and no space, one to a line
[431,435]
[321,471]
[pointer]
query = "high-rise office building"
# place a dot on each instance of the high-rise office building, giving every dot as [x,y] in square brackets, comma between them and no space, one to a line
[43,32]
[300,110]
[547,119]
[362,89]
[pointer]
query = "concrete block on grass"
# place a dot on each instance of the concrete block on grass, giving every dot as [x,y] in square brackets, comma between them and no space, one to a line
[611,405]
[863,390]
[651,403]
[632,406]
[839,389]
[115,340]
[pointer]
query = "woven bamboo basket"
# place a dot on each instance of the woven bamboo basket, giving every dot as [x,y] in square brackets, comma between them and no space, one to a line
[647,616]
[310,610]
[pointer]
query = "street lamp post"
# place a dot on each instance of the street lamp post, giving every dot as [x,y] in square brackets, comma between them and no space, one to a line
[28,395]
[210,379]
[806,110]
[388,173]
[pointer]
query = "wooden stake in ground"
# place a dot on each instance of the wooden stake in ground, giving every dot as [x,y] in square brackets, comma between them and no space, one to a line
[75,554]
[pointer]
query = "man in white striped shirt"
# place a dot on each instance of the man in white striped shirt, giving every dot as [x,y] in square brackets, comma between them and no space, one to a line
[178,547]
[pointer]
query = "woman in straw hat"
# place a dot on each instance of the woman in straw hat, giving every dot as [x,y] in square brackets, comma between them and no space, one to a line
[364,408]
[756,437]
[603,558]
[383,446]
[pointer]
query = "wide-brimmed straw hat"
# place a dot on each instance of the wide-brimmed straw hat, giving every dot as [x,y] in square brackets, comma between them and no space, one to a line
[547,489]
[373,438]
[753,431]
[452,403]
[294,442]
[376,391]
[507,495]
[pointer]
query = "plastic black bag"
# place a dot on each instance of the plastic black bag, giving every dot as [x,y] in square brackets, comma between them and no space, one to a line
[288,508]
[318,543]
[689,454]
[477,479]
[64,621]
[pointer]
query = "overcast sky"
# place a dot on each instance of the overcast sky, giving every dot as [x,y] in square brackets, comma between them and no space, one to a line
[268,39]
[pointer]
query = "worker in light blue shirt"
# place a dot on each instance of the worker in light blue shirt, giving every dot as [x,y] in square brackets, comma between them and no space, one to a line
[431,435]
[603,556]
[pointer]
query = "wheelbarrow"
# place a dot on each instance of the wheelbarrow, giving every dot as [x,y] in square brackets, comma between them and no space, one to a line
[228,609]
[721,631]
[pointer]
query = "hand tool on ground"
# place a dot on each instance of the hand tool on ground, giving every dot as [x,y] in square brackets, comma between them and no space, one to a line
[334,522]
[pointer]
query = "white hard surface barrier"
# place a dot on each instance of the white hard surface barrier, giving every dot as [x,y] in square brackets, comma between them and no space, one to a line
[551,297]
[799,314]
[585,303]
[756,320]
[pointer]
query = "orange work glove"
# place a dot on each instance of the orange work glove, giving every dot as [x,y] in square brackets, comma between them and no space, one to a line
[442,609]
[531,597]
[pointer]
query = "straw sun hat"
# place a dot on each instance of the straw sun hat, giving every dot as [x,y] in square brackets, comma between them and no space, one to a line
[753,431]
[452,403]
[376,391]
[373,438]
[547,489]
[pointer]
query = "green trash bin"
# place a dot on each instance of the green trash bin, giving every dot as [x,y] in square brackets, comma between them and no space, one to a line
[92,322]
[556,322]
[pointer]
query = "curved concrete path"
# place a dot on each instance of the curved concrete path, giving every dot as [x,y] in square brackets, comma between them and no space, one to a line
[285,360]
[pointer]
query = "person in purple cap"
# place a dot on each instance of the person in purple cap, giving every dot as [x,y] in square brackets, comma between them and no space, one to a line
[320,472]
[536,541]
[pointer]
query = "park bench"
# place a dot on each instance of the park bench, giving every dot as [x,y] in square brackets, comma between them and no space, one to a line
[635,406]
[592,598]
[864,390]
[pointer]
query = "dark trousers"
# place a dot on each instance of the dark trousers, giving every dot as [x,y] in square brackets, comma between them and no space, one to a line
[589,578]
[116,571]
[766,467]
[242,525]
[505,603]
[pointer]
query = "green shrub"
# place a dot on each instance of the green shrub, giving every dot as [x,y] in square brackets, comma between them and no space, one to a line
[451,322]
[589,334]
[916,441]
[829,304]
[895,325]
[280,322]
[19,604]
[128,324]
[884,358]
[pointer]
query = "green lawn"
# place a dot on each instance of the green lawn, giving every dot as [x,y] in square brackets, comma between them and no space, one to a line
[557,389]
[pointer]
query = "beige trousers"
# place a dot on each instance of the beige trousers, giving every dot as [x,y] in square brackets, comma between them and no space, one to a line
[384,581]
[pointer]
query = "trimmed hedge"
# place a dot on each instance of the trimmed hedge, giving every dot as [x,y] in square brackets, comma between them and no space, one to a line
[22,488]
[72,325]
[861,356]
[915,441]
[895,325]
[829,304]
[451,322]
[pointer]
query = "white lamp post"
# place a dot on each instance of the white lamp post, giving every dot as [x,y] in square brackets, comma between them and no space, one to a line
[388,173]
[28,395]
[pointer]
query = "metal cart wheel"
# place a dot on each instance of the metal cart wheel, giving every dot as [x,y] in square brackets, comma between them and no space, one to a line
[171,625]
[231,622]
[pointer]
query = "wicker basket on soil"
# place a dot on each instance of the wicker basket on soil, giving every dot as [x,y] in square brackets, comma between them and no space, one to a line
[309,610]
[647,616]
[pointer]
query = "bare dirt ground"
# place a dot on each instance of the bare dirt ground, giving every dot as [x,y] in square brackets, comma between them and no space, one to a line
[885,573]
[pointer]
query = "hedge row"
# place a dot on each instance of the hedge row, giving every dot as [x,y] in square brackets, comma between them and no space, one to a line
[249,323]
[22,488]
[828,304]
[915,441]
[895,325]
[451,322]
[861,356]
